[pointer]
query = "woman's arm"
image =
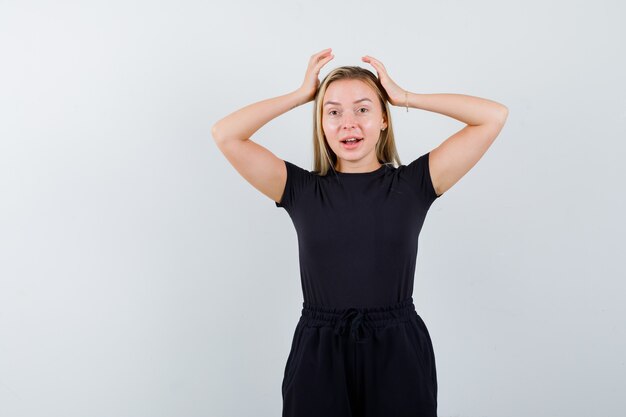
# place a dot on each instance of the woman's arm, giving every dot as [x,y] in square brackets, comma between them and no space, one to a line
[255,163]
[456,155]
[243,123]
[258,165]
[467,109]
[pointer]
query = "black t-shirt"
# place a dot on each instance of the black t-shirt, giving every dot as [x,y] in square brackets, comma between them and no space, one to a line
[358,232]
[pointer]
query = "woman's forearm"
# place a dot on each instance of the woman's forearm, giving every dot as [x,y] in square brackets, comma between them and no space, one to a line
[241,124]
[467,109]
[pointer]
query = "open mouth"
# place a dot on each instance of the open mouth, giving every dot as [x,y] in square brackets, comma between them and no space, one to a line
[352,140]
[351,143]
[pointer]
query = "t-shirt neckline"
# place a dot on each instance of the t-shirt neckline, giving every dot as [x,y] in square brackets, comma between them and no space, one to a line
[361,174]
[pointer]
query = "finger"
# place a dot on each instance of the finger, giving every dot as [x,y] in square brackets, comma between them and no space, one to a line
[379,71]
[320,53]
[376,62]
[323,62]
[316,59]
[380,65]
[372,61]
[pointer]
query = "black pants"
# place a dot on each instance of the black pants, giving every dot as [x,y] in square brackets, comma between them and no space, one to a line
[369,362]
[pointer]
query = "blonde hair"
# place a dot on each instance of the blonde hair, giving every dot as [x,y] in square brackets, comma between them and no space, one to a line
[324,157]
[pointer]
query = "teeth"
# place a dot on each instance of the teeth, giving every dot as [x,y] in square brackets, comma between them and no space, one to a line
[350,140]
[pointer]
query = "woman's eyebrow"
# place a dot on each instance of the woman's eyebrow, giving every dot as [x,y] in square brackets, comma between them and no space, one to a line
[338,104]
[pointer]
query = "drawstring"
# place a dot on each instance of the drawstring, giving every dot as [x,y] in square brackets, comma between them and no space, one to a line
[357,322]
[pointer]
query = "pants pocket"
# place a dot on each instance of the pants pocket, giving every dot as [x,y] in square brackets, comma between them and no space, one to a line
[295,353]
[426,351]
[414,335]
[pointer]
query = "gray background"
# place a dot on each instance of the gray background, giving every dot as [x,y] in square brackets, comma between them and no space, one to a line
[141,275]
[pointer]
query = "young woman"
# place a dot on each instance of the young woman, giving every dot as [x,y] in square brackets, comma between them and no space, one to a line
[359,348]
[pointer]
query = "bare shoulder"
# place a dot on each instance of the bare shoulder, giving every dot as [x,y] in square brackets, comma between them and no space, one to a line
[458,154]
[256,164]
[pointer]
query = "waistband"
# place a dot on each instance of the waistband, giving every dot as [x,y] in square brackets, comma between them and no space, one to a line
[360,319]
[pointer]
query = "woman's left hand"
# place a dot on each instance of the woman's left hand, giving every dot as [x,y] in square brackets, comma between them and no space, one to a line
[395,93]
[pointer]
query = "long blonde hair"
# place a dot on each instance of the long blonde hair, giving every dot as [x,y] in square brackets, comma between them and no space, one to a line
[324,157]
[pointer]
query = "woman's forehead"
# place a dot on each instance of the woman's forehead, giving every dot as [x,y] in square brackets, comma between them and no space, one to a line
[349,91]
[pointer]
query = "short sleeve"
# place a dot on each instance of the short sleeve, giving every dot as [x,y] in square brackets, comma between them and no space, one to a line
[418,173]
[297,180]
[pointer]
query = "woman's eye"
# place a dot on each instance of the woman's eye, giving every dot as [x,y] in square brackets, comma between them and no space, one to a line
[334,112]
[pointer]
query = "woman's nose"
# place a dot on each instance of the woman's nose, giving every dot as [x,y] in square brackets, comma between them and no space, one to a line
[348,121]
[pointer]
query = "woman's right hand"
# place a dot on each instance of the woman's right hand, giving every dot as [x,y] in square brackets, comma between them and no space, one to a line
[311,82]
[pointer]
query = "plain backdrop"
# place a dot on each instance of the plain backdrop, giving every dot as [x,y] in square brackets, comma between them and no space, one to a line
[141,275]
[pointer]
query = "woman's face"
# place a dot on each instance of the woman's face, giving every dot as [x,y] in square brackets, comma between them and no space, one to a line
[351,109]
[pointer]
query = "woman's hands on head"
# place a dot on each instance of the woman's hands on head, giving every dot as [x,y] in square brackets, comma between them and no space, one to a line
[317,61]
[395,93]
[311,82]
